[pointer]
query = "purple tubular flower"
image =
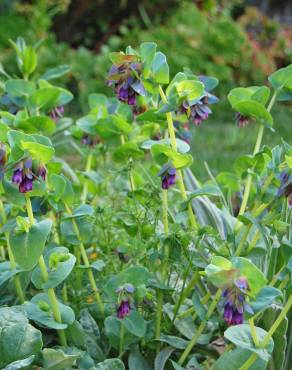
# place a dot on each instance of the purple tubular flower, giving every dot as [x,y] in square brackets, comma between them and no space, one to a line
[17,175]
[26,185]
[57,113]
[42,172]
[234,302]
[168,177]
[286,186]
[241,120]
[126,81]
[123,309]
[197,112]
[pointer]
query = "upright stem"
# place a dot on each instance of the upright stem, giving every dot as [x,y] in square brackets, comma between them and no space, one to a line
[180,181]
[18,287]
[122,337]
[159,299]
[87,169]
[45,277]
[159,293]
[86,263]
[255,151]
[269,335]
[201,328]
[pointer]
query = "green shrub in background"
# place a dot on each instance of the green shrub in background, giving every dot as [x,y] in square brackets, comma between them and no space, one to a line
[210,43]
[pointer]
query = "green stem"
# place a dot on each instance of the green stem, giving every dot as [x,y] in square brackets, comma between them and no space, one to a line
[166,230]
[201,328]
[87,169]
[255,151]
[122,337]
[270,333]
[249,362]
[180,181]
[86,263]
[45,277]
[18,287]
[159,297]
[253,332]
[184,294]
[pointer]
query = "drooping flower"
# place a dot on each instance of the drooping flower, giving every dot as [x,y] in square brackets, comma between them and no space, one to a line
[123,309]
[42,172]
[235,302]
[57,113]
[124,300]
[286,186]
[168,176]
[24,175]
[126,79]
[90,140]
[241,120]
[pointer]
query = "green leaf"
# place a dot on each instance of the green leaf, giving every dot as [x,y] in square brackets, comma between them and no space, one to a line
[39,309]
[57,185]
[29,60]
[256,279]
[135,275]
[265,297]
[250,108]
[56,72]
[38,151]
[162,357]
[191,89]
[20,364]
[240,335]
[110,364]
[163,153]
[65,262]
[38,124]
[148,50]
[6,273]
[137,361]
[236,358]
[135,324]
[282,78]
[121,125]
[28,247]
[182,146]
[160,69]
[19,91]
[58,359]
[259,94]
[208,189]
[45,98]
[127,150]
[18,339]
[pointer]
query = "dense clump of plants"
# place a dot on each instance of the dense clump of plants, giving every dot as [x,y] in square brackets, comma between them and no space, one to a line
[132,262]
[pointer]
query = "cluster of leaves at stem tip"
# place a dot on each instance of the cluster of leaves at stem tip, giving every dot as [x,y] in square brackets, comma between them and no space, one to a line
[113,254]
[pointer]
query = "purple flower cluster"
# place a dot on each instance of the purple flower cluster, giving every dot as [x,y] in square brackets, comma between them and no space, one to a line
[241,120]
[126,81]
[3,159]
[90,140]
[124,307]
[235,304]
[286,186]
[197,112]
[168,176]
[57,113]
[24,175]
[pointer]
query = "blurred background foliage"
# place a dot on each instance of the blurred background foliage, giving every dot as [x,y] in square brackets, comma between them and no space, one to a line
[233,40]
